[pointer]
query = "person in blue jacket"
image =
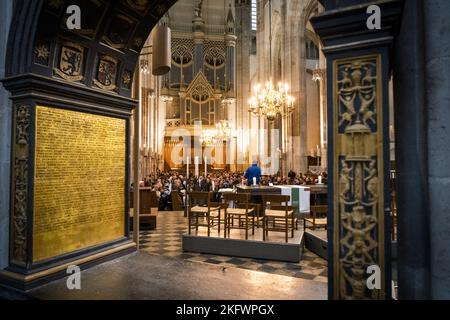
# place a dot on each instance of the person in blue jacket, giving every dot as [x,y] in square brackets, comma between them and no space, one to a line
[253,172]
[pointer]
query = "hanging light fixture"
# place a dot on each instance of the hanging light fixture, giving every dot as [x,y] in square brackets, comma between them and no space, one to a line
[270,101]
[209,137]
[161,46]
[224,130]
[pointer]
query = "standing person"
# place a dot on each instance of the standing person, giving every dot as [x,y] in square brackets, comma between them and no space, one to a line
[292,175]
[253,172]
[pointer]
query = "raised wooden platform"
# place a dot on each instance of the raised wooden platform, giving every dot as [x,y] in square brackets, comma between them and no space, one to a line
[274,248]
[316,241]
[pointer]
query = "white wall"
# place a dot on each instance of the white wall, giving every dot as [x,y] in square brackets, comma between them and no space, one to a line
[5,135]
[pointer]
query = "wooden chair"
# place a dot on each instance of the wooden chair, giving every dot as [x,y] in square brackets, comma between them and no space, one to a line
[241,210]
[316,219]
[201,208]
[281,215]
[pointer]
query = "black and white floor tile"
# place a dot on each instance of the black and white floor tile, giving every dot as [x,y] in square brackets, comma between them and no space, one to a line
[166,241]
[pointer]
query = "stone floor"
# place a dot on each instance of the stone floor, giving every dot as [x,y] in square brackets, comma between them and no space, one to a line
[144,276]
[166,241]
[161,271]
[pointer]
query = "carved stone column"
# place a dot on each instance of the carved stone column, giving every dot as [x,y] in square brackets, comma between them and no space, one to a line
[199,40]
[358,118]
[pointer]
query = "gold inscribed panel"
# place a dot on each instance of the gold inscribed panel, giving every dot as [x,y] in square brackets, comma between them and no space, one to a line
[79,198]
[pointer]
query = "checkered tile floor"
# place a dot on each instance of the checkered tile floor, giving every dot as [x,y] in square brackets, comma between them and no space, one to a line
[166,241]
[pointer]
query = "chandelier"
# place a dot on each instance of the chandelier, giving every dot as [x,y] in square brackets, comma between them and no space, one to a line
[271,100]
[224,130]
[208,137]
[165,95]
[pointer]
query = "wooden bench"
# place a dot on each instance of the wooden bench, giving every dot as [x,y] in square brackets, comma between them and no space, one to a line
[148,208]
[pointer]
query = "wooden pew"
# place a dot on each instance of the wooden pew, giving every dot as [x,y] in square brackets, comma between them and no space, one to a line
[148,208]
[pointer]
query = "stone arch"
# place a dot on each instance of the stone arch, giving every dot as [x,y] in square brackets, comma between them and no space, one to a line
[86,74]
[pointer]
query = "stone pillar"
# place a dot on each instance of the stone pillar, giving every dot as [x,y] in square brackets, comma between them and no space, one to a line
[411,156]
[230,66]
[422,149]
[5,135]
[230,69]
[437,79]
[243,90]
[358,118]
[199,39]
[295,73]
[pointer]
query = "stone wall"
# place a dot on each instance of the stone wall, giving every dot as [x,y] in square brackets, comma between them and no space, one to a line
[5,135]
[422,104]
[437,79]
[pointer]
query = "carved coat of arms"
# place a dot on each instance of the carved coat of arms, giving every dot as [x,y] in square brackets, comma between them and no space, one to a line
[106,73]
[70,64]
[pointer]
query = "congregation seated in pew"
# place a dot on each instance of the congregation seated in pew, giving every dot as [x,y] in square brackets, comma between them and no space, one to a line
[168,184]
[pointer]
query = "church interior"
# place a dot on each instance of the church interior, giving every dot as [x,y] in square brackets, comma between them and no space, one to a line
[201,127]
[216,61]
[223,150]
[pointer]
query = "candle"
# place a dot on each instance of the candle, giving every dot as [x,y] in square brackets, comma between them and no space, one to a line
[254,181]
[196,167]
[206,167]
[213,186]
[320,179]
[188,162]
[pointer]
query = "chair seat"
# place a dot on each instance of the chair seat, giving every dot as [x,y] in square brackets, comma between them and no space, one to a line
[204,209]
[214,211]
[318,221]
[240,212]
[278,213]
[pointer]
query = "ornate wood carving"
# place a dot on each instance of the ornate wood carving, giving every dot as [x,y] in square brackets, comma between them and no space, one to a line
[19,219]
[70,66]
[106,73]
[42,54]
[358,176]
